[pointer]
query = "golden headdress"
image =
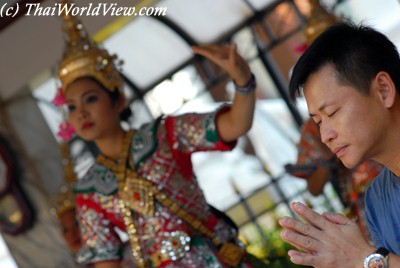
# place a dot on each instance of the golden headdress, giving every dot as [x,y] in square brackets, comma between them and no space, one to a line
[65,199]
[82,57]
[320,19]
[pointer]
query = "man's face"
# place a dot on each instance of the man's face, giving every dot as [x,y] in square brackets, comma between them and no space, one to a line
[348,121]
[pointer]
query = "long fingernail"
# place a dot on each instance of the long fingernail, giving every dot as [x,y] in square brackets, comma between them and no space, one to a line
[284,220]
[294,259]
[284,234]
[299,206]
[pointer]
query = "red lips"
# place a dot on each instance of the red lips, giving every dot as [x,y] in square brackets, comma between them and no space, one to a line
[87,125]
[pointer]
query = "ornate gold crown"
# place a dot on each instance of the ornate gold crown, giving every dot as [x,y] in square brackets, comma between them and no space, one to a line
[65,199]
[320,19]
[82,57]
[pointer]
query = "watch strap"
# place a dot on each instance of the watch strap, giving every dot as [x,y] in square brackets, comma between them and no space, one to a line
[383,251]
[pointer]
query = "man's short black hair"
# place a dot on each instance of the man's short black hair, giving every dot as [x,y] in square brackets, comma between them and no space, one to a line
[357,53]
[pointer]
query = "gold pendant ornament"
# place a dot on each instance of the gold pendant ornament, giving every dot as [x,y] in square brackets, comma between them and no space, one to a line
[231,253]
[138,195]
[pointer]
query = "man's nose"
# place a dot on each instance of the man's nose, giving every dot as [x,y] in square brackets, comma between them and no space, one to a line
[327,133]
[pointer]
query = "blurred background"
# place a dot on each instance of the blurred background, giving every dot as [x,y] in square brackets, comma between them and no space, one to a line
[163,76]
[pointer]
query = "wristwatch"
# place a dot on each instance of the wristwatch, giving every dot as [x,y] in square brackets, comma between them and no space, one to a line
[378,259]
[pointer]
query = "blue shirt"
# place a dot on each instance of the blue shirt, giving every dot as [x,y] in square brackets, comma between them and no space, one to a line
[383,211]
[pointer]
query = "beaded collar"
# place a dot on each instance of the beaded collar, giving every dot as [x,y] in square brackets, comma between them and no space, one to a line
[118,167]
[100,178]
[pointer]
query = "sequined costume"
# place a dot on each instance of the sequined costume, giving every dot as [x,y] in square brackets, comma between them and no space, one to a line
[161,154]
[349,184]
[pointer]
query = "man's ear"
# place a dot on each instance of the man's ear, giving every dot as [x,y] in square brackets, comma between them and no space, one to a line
[386,89]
